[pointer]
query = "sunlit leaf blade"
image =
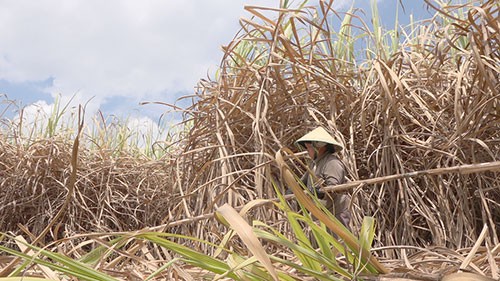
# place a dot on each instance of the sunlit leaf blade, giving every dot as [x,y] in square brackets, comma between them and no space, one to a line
[246,234]
[190,256]
[367,233]
[67,265]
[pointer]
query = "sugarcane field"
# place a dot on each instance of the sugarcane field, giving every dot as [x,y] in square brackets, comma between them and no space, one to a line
[412,116]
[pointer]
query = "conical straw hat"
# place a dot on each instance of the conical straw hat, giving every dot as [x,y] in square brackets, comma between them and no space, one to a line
[320,135]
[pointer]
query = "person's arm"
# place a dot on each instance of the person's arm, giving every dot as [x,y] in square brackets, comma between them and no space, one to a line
[333,173]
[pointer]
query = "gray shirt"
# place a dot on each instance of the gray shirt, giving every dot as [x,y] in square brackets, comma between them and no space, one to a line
[328,171]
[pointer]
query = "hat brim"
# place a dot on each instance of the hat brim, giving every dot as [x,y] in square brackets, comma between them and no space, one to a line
[320,135]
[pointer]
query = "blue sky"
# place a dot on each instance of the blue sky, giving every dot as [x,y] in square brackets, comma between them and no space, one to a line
[115,54]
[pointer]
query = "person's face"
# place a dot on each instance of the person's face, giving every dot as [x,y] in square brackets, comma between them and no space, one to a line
[313,151]
[310,150]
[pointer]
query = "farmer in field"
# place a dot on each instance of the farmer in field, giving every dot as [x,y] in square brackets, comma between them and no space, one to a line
[328,171]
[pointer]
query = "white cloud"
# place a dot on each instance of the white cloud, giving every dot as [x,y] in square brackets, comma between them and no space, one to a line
[142,50]
[137,131]
[116,52]
[35,115]
[92,48]
[41,119]
[144,131]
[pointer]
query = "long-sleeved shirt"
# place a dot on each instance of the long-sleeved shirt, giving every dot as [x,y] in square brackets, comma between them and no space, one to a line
[329,171]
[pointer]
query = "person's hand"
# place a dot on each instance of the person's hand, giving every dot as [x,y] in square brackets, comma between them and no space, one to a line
[319,193]
[317,189]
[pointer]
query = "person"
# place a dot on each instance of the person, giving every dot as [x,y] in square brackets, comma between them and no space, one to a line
[328,170]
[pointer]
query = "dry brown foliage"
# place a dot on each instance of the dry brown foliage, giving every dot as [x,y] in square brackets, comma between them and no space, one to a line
[111,193]
[433,103]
